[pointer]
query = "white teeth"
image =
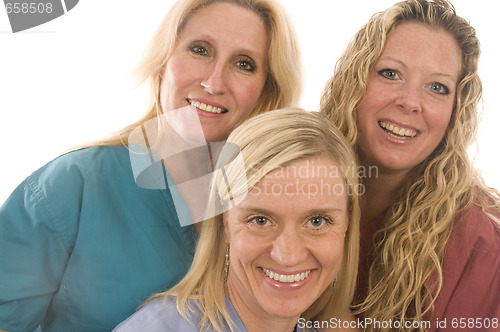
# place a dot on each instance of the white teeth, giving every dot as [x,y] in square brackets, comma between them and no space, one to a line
[286,278]
[409,133]
[207,108]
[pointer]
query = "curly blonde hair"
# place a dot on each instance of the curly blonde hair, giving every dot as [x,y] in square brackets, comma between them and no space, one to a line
[410,247]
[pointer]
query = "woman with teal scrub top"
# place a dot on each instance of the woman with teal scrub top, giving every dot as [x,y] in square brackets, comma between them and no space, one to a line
[83,243]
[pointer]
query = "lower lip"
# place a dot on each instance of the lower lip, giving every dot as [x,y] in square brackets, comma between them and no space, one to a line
[394,139]
[287,286]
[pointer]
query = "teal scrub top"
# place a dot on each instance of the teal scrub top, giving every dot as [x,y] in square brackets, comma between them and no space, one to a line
[82,245]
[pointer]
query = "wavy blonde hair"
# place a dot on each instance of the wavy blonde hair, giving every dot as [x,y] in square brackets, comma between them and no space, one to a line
[410,247]
[267,142]
[283,86]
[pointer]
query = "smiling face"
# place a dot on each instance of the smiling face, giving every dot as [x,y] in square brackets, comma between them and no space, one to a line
[286,240]
[409,97]
[218,67]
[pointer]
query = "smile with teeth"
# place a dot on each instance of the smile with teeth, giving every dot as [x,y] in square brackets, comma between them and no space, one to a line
[207,108]
[286,278]
[400,132]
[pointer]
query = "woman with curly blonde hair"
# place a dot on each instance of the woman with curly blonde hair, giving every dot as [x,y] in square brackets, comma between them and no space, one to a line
[406,93]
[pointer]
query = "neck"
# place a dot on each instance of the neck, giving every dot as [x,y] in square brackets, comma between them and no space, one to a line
[381,191]
[189,171]
[255,319]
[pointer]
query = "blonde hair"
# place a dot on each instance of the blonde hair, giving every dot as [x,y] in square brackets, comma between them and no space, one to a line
[283,86]
[267,142]
[410,247]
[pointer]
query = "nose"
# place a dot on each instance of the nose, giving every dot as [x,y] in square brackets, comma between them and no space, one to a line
[216,80]
[410,98]
[288,248]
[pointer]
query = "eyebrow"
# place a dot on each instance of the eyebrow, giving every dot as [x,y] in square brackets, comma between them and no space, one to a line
[404,65]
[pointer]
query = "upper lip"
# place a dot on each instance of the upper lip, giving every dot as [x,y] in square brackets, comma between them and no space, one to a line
[399,124]
[287,272]
[204,101]
[290,277]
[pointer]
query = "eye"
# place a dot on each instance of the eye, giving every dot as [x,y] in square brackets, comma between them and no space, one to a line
[389,74]
[246,65]
[259,221]
[198,49]
[439,88]
[318,222]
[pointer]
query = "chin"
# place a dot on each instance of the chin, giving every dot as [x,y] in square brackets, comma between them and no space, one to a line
[287,310]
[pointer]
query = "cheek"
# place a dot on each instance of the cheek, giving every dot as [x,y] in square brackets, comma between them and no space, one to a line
[373,100]
[329,252]
[362,123]
[248,93]
[367,107]
[177,74]
[439,120]
[165,93]
[246,250]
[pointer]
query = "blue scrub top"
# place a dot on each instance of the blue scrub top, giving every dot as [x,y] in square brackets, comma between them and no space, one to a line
[163,316]
[82,245]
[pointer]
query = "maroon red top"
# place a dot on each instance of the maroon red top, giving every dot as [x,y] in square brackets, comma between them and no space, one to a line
[470,297]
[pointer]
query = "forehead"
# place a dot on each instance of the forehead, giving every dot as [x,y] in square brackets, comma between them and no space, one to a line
[227,21]
[315,183]
[418,43]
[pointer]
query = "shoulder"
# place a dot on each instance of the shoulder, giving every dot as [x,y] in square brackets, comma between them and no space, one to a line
[88,160]
[51,198]
[471,268]
[474,229]
[68,175]
[158,315]
[474,241]
[71,169]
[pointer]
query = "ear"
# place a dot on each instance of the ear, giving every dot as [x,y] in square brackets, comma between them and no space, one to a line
[226,227]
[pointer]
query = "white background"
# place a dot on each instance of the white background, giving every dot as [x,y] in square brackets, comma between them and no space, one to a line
[68,81]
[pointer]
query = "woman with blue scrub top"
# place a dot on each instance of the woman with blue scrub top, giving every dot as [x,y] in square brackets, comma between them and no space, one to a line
[82,243]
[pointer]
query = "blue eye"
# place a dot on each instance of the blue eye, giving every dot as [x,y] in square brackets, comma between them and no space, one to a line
[389,74]
[439,88]
[316,222]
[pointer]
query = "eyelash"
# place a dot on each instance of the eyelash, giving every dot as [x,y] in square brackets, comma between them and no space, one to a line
[198,50]
[383,73]
[253,223]
[247,65]
[445,89]
[325,219]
